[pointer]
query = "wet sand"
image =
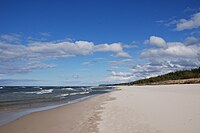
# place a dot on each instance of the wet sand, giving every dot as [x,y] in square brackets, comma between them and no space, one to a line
[81,117]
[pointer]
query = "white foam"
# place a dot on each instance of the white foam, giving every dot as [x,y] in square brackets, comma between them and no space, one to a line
[86,88]
[79,93]
[40,92]
[68,89]
[62,95]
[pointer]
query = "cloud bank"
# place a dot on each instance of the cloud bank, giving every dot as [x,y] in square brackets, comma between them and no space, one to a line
[17,58]
[162,58]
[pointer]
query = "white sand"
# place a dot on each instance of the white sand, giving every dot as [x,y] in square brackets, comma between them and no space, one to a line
[152,109]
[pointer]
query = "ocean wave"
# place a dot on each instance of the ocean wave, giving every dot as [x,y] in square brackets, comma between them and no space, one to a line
[42,92]
[86,88]
[62,95]
[68,89]
[79,93]
[38,92]
[1,87]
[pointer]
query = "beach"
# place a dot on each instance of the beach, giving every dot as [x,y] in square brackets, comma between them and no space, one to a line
[130,109]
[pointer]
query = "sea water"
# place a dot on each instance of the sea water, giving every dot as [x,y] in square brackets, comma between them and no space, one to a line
[17,101]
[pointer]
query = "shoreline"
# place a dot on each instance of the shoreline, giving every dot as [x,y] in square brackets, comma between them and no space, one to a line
[11,115]
[77,117]
[143,109]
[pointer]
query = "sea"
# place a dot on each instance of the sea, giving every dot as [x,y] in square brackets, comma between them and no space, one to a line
[17,101]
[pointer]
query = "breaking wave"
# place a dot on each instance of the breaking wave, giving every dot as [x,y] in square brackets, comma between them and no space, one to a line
[68,89]
[39,92]
[79,93]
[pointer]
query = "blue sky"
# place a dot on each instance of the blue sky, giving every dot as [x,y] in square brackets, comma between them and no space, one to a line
[90,42]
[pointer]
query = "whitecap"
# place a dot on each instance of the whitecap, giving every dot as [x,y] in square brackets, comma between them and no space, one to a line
[62,95]
[40,92]
[79,93]
[86,88]
[68,89]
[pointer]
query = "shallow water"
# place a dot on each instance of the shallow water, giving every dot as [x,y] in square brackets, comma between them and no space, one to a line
[17,101]
[12,97]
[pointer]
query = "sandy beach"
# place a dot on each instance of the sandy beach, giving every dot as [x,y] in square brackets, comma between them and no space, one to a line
[153,109]
[133,109]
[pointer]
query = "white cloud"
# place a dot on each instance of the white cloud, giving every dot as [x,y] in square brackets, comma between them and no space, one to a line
[193,22]
[116,62]
[61,49]
[119,77]
[86,63]
[123,63]
[154,68]
[124,74]
[114,47]
[168,22]
[16,67]
[157,41]
[130,46]
[15,38]
[173,50]
[160,60]
[175,55]
[40,51]
[122,55]
[46,50]
[192,41]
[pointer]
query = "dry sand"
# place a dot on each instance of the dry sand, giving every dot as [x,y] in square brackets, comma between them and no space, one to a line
[135,109]
[153,109]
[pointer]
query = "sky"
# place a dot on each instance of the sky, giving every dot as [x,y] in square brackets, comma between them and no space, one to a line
[92,42]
